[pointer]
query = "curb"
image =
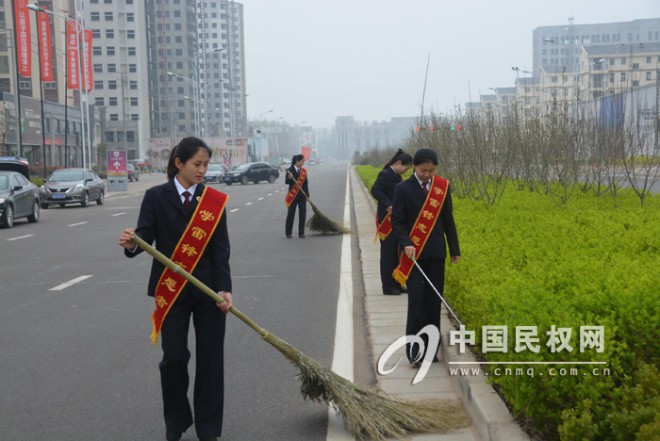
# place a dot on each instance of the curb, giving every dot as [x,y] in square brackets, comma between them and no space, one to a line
[490,416]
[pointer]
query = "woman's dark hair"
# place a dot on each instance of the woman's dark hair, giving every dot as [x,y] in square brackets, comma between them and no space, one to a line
[184,150]
[425,155]
[297,158]
[400,155]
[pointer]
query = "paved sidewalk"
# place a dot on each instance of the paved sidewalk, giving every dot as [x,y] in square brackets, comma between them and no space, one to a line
[491,420]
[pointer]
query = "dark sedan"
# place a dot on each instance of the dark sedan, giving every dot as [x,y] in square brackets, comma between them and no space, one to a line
[252,172]
[18,196]
[72,186]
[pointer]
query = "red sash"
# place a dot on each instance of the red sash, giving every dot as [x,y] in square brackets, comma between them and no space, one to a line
[383,229]
[424,224]
[187,253]
[291,195]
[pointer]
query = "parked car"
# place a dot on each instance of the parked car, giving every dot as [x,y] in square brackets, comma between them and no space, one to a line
[252,172]
[18,196]
[133,172]
[72,186]
[215,173]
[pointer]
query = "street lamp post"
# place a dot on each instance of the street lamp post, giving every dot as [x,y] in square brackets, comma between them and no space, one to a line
[203,111]
[194,99]
[81,80]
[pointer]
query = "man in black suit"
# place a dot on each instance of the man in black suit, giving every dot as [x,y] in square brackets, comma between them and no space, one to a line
[164,216]
[300,201]
[410,197]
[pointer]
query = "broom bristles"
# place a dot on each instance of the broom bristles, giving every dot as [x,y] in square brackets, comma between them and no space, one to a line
[323,224]
[369,413]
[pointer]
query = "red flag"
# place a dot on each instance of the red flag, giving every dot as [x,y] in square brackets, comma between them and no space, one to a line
[45,47]
[72,55]
[87,45]
[23,41]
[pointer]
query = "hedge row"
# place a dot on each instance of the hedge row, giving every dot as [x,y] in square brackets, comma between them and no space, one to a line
[529,262]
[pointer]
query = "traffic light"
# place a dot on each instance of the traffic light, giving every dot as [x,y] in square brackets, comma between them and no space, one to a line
[459,127]
[452,128]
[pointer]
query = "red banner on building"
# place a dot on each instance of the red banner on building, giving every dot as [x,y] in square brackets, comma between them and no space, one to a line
[72,64]
[23,41]
[89,81]
[45,47]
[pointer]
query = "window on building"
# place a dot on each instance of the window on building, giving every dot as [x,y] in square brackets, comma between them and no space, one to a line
[112,67]
[97,50]
[95,16]
[98,84]
[98,68]
[97,33]
[635,66]
[130,33]
[648,60]
[129,2]
[109,33]
[132,51]
[623,76]
[112,101]
[648,76]
[623,61]
[133,85]
[112,84]
[130,16]
[99,101]
[635,83]
[132,68]
[134,101]
[135,117]
[109,136]
[107,2]
[109,16]
[130,136]
[110,50]
[114,117]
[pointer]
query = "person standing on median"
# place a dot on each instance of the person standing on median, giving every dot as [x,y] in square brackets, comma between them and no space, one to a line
[383,192]
[423,224]
[187,220]
[296,177]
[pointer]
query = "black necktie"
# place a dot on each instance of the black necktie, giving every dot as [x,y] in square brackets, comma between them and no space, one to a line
[425,186]
[186,201]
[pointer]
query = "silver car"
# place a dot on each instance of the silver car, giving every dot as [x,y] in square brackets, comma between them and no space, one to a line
[72,186]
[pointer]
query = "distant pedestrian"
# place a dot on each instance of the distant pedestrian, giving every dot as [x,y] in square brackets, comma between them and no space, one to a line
[296,177]
[422,217]
[383,191]
[184,211]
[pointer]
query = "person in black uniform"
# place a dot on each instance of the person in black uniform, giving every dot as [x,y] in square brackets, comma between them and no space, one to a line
[409,198]
[164,215]
[383,192]
[300,201]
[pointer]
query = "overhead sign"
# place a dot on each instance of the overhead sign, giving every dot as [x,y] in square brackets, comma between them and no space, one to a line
[117,160]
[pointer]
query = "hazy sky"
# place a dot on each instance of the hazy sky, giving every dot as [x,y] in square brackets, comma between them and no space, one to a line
[314,60]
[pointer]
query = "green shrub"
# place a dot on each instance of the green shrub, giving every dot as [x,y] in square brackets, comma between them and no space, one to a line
[529,261]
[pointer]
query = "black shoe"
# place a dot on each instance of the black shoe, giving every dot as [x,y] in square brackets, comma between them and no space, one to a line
[404,291]
[288,236]
[392,292]
[302,236]
[173,436]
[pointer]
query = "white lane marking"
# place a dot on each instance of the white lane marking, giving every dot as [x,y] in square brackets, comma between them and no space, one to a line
[248,203]
[70,283]
[342,359]
[118,214]
[270,194]
[19,237]
[260,199]
[79,223]
[235,209]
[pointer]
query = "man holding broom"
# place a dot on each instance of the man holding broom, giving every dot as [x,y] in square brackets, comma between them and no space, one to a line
[422,218]
[296,177]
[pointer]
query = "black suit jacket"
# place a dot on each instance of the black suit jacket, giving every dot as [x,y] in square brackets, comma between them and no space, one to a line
[292,182]
[409,198]
[383,190]
[163,220]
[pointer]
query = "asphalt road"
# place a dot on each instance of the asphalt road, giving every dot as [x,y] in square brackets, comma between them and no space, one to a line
[77,363]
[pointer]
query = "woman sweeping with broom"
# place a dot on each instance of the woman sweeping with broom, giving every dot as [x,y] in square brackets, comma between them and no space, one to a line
[187,221]
[296,177]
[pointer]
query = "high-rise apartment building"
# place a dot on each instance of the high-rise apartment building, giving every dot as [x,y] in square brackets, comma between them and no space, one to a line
[196,68]
[560,45]
[119,65]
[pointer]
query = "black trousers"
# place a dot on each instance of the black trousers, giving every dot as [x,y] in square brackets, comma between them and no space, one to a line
[423,303]
[389,259]
[301,202]
[208,393]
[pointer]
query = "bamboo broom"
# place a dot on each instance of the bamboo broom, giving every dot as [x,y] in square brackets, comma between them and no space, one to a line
[320,222]
[365,412]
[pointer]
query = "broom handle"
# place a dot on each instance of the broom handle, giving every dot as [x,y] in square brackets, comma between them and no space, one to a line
[195,281]
[436,291]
